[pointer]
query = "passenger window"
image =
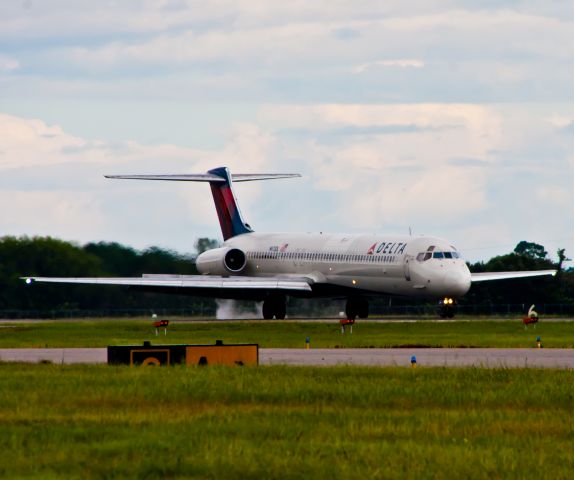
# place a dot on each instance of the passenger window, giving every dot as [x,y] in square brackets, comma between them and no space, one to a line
[437,255]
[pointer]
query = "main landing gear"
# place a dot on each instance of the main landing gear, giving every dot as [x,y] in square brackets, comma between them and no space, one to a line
[357,307]
[275,306]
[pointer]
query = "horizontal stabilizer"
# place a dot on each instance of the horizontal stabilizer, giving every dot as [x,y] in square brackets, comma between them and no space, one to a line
[249,177]
[207,177]
[489,276]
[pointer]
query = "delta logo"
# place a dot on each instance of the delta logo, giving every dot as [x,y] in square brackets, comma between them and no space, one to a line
[387,248]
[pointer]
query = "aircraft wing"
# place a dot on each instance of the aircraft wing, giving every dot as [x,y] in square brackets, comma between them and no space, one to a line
[489,276]
[197,282]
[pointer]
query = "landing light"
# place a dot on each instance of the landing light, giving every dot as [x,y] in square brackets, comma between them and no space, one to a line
[28,281]
[354,282]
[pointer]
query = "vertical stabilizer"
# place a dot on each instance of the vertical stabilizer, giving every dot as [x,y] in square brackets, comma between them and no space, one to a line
[221,183]
[230,218]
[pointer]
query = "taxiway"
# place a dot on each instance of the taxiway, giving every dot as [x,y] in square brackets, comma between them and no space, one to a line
[435,357]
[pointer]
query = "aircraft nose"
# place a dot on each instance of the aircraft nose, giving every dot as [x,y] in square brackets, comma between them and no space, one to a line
[458,282]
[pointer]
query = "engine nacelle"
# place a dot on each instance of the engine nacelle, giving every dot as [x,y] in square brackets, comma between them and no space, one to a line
[222,261]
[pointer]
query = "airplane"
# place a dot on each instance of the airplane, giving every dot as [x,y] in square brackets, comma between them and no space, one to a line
[270,267]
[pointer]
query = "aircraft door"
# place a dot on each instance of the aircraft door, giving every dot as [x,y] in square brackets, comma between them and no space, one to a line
[299,258]
[407,267]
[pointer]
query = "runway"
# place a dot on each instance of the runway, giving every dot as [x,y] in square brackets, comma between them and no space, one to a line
[426,357]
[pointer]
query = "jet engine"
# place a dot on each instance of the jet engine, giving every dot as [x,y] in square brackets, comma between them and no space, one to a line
[222,261]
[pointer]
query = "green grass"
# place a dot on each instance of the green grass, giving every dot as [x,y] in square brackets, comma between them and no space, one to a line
[284,422]
[473,333]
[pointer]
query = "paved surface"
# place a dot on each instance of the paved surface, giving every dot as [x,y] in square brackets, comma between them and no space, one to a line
[54,355]
[442,357]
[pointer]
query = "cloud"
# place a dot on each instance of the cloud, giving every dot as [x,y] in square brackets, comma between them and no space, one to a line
[431,114]
[468,162]
[8,64]
[400,63]
[28,143]
[554,195]
[406,164]
[71,214]
[53,182]
[209,51]
[435,167]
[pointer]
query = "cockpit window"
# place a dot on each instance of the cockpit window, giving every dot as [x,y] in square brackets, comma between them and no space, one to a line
[432,253]
[424,256]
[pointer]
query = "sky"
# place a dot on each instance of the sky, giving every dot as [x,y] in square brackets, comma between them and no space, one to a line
[445,118]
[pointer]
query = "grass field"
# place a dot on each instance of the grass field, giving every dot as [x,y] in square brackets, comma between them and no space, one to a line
[284,422]
[473,333]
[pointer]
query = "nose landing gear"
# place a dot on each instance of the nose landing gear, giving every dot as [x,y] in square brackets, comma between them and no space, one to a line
[447,308]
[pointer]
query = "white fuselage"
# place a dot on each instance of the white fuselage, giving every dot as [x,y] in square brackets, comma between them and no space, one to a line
[383,264]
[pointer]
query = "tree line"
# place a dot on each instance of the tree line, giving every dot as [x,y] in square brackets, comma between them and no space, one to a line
[541,290]
[50,257]
[45,256]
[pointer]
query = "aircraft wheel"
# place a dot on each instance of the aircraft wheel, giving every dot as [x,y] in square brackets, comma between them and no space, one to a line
[447,312]
[357,307]
[280,311]
[363,310]
[274,307]
[268,309]
[351,309]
